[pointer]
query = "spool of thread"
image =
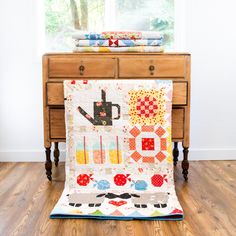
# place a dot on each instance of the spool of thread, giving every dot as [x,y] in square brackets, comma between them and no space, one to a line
[99,155]
[115,154]
[82,154]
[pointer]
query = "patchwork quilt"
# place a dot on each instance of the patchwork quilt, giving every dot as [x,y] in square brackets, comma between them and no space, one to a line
[118,42]
[120,49]
[118,35]
[119,151]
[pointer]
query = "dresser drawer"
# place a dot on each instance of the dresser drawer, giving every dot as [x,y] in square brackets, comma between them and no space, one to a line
[152,67]
[81,67]
[55,93]
[178,123]
[57,123]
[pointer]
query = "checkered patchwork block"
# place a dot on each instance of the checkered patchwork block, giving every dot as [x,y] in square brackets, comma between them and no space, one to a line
[146,106]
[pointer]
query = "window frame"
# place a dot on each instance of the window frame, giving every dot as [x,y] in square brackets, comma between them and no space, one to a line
[179,26]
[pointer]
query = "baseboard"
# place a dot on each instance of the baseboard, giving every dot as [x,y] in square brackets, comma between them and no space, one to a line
[212,154]
[39,156]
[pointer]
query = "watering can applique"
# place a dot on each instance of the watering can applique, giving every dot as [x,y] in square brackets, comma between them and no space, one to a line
[102,112]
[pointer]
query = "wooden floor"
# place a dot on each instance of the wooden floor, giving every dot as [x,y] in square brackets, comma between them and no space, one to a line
[208,200]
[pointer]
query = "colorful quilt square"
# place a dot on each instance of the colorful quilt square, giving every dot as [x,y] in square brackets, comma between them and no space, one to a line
[147,107]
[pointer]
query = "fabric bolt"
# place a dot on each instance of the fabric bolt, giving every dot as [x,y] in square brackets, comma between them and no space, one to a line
[118,42]
[120,49]
[118,168]
[117,35]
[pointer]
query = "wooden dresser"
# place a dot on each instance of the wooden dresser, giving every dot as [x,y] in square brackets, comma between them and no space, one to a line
[61,66]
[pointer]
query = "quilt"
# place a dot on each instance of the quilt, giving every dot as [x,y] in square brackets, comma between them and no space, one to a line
[120,49]
[118,42]
[119,151]
[118,35]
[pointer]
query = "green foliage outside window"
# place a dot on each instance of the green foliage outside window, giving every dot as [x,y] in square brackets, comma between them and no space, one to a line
[62,17]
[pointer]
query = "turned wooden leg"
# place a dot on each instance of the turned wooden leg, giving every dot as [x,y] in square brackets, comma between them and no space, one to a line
[48,163]
[175,153]
[56,153]
[185,163]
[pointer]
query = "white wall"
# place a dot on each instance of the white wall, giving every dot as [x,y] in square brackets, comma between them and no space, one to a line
[209,36]
[20,81]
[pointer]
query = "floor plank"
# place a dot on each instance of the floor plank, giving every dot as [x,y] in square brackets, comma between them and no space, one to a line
[208,200]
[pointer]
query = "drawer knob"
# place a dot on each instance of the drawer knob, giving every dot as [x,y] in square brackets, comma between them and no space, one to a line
[151,69]
[81,69]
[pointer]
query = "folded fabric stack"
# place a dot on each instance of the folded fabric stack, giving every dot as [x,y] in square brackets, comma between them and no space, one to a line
[119,41]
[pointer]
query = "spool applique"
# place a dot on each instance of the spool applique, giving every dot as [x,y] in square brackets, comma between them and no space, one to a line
[82,153]
[115,154]
[99,154]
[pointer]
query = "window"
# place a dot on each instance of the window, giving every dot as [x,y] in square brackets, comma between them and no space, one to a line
[62,17]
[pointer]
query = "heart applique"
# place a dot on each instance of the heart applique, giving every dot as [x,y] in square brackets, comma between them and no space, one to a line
[117,203]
